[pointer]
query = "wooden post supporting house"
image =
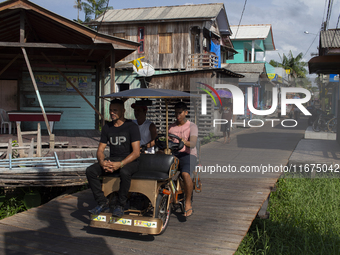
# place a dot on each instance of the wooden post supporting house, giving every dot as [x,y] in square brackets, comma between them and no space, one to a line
[36,91]
[112,72]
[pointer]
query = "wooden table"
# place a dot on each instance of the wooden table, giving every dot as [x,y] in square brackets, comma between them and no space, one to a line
[19,116]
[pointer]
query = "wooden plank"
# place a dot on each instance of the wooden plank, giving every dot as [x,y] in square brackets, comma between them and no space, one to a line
[56,45]
[36,89]
[52,242]
[112,71]
[12,247]
[9,149]
[31,148]
[22,26]
[16,178]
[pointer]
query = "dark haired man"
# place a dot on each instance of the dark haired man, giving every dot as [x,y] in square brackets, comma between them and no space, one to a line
[124,140]
[147,129]
[188,133]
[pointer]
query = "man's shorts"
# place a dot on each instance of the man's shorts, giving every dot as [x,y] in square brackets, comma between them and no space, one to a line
[225,127]
[187,162]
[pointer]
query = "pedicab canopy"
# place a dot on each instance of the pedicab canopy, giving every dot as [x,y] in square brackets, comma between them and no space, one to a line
[153,93]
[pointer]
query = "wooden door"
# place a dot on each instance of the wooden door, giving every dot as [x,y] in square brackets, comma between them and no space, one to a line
[9,95]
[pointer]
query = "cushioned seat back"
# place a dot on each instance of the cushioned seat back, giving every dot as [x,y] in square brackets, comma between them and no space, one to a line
[155,163]
[153,167]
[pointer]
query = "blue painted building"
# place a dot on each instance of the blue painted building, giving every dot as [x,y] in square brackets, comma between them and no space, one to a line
[252,42]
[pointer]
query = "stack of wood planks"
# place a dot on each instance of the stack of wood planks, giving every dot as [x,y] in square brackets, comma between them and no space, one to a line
[43,171]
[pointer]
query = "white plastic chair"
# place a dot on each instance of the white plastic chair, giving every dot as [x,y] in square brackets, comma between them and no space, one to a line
[5,121]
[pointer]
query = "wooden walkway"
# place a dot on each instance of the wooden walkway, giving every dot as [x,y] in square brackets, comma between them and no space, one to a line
[223,212]
[222,215]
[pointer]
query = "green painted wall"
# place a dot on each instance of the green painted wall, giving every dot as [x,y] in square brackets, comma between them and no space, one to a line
[269,68]
[58,96]
[77,114]
[241,46]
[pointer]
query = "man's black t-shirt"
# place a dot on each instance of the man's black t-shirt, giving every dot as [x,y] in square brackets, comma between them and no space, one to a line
[120,138]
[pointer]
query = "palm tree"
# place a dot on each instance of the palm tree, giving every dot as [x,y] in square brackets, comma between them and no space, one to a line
[294,64]
[95,7]
[78,5]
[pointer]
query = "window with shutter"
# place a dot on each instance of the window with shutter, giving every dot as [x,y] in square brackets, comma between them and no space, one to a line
[165,43]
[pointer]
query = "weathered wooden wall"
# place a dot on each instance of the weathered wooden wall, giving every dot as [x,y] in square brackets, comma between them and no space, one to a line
[8,95]
[187,81]
[157,114]
[181,41]
[181,80]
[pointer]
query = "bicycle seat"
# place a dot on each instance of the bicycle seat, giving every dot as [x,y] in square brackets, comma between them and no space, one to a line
[153,167]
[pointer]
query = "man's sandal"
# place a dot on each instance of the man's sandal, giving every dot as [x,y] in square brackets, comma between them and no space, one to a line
[188,211]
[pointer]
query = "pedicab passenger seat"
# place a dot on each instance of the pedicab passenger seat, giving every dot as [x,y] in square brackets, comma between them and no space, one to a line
[153,167]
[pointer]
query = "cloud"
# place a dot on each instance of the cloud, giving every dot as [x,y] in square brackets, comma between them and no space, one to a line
[289,20]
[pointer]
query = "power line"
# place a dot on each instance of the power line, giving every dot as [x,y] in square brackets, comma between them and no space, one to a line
[329,12]
[335,31]
[324,11]
[311,45]
[244,7]
[322,22]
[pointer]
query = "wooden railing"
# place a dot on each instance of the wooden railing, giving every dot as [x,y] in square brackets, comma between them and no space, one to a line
[202,61]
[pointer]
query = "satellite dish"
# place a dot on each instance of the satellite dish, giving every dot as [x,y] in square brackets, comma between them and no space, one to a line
[147,70]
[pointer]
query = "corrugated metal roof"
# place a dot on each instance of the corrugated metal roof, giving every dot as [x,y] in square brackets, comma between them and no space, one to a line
[198,11]
[330,38]
[250,32]
[250,71]
[246,67]
[254,32]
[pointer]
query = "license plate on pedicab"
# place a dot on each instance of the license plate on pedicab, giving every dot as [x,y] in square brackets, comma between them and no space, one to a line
[120,221]
[145,224]
[98,218]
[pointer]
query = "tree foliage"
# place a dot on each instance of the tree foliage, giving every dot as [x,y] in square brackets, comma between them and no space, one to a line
[294,64]
[78,7]
[92,8]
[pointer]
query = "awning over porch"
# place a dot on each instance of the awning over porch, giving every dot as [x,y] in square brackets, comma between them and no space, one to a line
[329,64]
[65,42]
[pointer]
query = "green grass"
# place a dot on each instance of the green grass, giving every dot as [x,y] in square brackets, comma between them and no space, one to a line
[209,138]
[11,206]
[304,219]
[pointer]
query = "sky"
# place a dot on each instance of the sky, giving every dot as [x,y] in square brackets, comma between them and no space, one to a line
[289,18]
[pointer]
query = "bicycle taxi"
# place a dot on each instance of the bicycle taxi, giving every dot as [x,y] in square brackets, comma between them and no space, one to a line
[156,189]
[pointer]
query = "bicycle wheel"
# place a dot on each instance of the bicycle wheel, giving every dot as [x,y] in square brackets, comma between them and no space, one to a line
[316,127]
[163,211]
[332,125]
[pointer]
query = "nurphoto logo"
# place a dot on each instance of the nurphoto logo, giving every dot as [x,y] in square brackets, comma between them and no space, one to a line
[246,99]
[238,100]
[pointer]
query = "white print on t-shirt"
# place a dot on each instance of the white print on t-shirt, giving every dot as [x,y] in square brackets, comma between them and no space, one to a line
[119,140]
